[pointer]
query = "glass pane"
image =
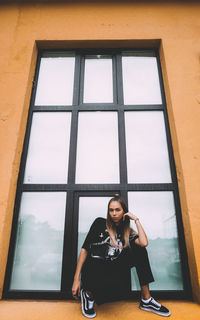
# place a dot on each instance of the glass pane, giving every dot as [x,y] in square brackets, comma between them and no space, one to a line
[146,144]
[97,151]
[140,80]
[90,208]
[156,212]
[48,152]
[56,81]
[98,83]
[39,243]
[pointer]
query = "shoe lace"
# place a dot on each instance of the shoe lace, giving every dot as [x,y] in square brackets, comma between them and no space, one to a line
[155,302]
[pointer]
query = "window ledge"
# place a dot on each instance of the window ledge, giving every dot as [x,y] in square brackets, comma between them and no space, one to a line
[71,310]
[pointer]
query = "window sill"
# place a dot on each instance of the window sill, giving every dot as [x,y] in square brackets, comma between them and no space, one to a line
[51,310]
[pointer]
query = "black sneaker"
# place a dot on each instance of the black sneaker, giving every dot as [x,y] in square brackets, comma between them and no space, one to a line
[154,306]
[87,305]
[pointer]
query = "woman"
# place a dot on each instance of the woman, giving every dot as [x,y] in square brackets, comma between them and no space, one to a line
[109,251]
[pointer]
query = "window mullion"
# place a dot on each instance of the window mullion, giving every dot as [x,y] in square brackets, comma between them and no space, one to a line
[81,79]
[73,148]
[122,147]
[68,253]
[76,96]
[114,75]
[120,99]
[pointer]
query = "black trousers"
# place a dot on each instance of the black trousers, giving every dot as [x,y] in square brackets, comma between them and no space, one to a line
[140,260]
[109,281]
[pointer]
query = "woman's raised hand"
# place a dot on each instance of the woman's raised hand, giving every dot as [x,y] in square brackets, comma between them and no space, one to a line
[131,216]
[142,238]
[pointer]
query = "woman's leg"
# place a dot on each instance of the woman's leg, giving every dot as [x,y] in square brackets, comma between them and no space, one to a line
[87,299]
[145,293]
[141,261]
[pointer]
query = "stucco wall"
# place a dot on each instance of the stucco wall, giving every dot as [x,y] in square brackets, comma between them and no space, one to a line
[24,27]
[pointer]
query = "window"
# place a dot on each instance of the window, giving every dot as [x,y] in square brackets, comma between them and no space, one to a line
[97,125]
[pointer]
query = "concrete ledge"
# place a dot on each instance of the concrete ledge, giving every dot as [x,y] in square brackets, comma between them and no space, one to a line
[71,310]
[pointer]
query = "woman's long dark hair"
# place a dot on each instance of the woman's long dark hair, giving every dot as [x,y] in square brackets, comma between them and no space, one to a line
[111,227]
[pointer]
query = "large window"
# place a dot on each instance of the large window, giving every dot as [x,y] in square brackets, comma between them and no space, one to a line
[97,125]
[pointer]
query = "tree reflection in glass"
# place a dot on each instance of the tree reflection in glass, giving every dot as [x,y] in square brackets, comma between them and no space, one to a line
[157,214]
[39,244]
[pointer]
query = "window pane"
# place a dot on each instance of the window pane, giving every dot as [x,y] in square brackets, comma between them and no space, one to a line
[146,144]
[98,83]
[140,80]
[97,151]
[55,82]
[39,244]
[90,208]
[156,212]
[48,152]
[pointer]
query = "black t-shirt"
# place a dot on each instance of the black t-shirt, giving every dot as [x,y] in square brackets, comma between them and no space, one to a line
[98,234]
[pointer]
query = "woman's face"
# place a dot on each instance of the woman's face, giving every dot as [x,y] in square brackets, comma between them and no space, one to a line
[116,211]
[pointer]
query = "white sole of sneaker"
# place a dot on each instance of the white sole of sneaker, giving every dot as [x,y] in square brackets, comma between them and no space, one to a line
[157,312]
[85,314]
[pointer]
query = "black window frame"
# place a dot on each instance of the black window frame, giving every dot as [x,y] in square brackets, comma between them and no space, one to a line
[74,191]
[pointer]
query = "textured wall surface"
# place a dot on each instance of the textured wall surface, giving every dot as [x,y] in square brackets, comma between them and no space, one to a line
[174,28]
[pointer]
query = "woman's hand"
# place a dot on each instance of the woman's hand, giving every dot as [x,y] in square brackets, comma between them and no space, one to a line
[76,289]
[76,284]
[131,216]
[142,238]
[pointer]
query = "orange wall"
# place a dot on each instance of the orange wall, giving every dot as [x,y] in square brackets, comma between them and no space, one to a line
[95,24]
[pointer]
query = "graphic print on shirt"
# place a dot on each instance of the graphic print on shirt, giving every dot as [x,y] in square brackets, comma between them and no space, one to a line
[104,249]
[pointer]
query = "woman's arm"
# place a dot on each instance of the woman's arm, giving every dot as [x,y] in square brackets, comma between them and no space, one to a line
[76,284]
[142,238]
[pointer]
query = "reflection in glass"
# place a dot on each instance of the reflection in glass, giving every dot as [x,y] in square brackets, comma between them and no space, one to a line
[146,145]
[98,83]
[56,81]
[39,243]
[156,212]
[48,152]
[90,208]
[140,80]
[97,148]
